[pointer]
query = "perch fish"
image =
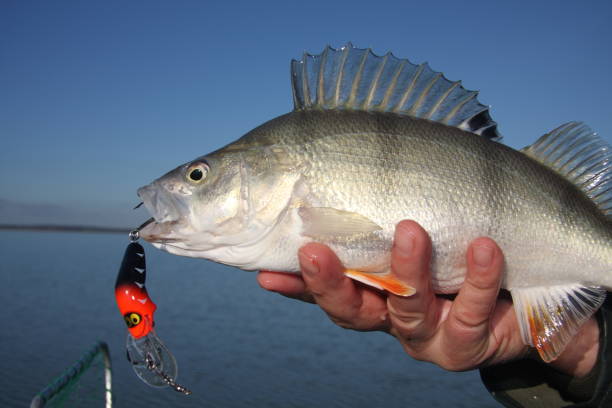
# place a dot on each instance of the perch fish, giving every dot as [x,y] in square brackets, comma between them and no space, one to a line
[376,139]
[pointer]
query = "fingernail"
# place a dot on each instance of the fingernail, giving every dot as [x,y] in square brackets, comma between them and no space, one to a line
[264,283]
[308,264]
[404,242]
[483,255]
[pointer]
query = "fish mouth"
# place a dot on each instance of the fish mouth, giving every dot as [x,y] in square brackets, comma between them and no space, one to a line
[161,204]
[169,215]
[161,232]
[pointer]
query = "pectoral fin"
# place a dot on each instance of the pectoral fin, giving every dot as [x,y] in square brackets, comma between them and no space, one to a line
[326,222]
[383,281]
[549,317]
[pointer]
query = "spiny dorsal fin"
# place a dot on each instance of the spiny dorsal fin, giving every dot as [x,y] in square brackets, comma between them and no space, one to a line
[357,79]
[577,153]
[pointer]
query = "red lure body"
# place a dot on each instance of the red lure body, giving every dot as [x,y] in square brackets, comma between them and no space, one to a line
[133,301]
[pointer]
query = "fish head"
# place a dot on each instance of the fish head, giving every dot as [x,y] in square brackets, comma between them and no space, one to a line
[225,199]
[194,204]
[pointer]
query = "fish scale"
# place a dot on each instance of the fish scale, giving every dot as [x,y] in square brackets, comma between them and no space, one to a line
[360,152]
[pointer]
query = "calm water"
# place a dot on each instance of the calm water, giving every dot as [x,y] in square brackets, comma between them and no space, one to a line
[236,345]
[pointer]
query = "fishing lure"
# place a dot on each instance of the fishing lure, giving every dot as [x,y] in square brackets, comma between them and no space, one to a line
[150,358]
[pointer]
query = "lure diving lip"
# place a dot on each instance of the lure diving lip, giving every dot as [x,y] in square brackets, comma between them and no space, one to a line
[150,358]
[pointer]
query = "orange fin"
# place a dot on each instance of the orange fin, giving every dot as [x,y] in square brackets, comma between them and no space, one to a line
[383,281]
[549,317]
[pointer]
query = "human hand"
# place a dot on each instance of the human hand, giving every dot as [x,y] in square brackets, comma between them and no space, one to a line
[475,329]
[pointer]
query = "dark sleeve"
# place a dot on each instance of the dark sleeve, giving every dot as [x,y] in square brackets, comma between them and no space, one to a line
[531,384]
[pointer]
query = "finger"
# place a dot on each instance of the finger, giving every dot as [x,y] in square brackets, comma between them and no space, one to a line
[414,317]
[469,316]
[347,305]
[286,284]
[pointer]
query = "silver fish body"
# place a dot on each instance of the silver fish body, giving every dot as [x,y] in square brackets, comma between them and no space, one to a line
[386,167]
[346,177]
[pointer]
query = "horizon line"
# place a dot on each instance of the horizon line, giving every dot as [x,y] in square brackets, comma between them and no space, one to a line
[64,228]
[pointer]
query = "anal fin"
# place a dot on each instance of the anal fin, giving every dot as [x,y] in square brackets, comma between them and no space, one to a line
[382,281]
[549,317]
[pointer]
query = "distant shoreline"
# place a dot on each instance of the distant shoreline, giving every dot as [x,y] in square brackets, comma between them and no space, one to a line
[63,228]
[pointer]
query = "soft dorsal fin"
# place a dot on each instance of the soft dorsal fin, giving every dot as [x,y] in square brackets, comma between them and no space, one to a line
[578,154]
[357,79]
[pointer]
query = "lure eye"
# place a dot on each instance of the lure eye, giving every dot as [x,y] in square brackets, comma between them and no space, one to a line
[197,172]
[132,319]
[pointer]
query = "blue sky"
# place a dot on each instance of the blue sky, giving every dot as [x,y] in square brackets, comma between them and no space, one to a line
[99,98]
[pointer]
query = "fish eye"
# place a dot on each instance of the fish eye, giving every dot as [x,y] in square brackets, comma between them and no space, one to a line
[197,172]
[132,319]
